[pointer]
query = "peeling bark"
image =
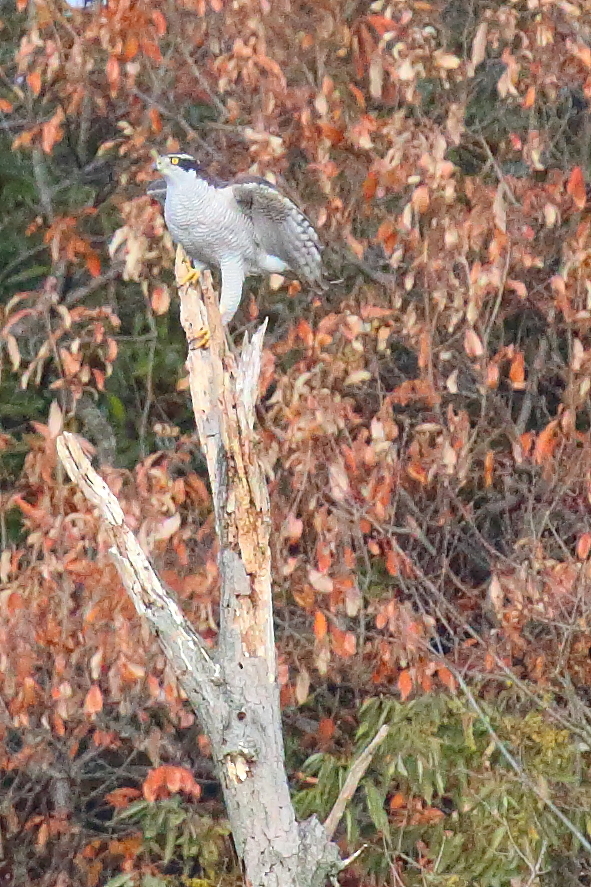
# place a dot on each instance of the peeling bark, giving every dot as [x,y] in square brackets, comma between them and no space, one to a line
[235,694]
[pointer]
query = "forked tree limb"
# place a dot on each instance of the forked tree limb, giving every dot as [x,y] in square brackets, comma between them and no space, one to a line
[235,694]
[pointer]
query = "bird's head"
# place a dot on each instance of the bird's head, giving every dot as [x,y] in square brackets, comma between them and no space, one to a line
[170,165]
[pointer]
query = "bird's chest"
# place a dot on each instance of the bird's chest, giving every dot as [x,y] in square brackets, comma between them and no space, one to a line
[206,226]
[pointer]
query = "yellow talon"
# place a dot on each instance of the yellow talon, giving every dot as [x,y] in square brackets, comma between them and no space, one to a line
[201,339]
[190,274]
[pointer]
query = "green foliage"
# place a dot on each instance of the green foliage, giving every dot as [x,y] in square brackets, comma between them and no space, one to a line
[440,799]
[174,830]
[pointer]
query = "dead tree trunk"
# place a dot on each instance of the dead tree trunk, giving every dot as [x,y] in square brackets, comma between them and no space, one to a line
[235,694]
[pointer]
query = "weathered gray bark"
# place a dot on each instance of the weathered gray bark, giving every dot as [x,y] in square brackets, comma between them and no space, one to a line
[235,694]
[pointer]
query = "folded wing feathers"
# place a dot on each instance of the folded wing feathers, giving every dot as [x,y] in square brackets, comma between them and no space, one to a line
[280,227]
[157,190]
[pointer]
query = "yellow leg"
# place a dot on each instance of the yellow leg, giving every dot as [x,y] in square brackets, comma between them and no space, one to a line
[201,339]
[190,274]
[186,273]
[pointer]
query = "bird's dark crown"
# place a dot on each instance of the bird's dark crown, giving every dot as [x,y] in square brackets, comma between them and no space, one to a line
[184,161]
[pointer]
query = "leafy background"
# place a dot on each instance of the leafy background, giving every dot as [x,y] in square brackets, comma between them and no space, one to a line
[424,427]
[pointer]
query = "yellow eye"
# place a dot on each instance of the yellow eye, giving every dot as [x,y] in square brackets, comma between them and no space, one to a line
[174,161]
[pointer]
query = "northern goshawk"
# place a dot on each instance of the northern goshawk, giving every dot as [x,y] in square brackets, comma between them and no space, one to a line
[245,226]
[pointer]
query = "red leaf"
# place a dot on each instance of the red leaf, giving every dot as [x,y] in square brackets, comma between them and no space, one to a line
[405,684]
[576,187]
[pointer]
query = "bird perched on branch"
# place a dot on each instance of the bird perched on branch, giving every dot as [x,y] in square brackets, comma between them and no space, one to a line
[245,226]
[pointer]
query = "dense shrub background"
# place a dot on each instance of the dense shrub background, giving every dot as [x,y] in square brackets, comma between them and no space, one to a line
[425,428]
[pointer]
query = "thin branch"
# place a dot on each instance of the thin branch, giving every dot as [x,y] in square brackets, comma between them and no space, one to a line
[524,777]
[114,271]
[498,170]
[354,777]
[194,667]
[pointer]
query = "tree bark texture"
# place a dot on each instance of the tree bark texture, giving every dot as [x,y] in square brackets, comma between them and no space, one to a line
[234,692]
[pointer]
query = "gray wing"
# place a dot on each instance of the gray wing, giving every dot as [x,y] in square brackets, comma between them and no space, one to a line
[281,229]
[157,190]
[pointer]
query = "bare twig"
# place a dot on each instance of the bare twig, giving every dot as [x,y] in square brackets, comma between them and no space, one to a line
[354,776]
[524,777]
[502,180]
[114,271]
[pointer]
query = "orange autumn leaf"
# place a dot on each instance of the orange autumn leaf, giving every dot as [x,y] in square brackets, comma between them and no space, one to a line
[427,683]
[160,300]
[155,120]
[370,185]
[517,372]
[387,234]
[113,73]
[405,684]
[392,562]
[584,546]
[42,836]
[52,132]
[93,263]
[121,797]
[397,801]
[428,816]
[546,442]
[34,82]
[320,625]
[418,473]
[159,22]
[446,678]
[5,106]
[529,98]
[94,700]
[344,643]
[128,847]
[576,187]
[420,199]
[163,781]
[130,47]
[326,728]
